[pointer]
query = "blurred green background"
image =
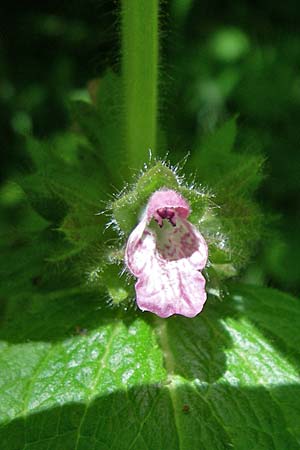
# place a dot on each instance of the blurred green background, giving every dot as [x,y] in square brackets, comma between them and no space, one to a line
[219,59]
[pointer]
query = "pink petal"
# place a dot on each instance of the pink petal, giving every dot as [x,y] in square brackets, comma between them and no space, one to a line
[171,288]
[138,248]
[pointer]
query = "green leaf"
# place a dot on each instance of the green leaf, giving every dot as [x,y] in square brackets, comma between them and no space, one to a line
[75,374]
[66,176]
[229,172]
[101,124]
[233,176]
[276,313]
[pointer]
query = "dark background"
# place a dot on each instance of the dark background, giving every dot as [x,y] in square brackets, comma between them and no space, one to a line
[218,59]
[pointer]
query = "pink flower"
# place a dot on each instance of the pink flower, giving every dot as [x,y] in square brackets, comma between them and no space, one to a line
[166,253]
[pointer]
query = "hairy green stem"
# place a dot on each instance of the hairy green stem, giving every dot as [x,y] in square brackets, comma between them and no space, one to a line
[140,77]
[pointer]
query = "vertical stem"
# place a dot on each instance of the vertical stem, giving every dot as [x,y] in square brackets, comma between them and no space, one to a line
[140,77]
